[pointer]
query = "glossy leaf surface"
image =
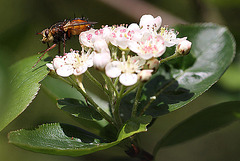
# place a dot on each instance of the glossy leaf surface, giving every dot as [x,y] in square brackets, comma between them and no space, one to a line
[62,139]
[24,86]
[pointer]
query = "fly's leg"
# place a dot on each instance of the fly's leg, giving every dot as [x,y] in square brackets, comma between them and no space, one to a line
[59,48]
[50,48]
[64,42]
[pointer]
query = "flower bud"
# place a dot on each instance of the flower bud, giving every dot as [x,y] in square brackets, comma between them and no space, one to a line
[100,60]
[145,75]
[100,45]
[184,47]
[153,64]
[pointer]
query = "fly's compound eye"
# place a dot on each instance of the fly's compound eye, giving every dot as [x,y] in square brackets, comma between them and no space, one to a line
[89,26]
[46,33]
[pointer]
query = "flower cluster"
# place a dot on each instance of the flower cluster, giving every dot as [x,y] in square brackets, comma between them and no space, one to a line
[71,63]
[128,52]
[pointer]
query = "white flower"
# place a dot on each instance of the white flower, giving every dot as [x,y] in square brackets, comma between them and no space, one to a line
[149,46]
[65,71]
[105,33]
[57,63]
[170,36]
[126,70]
[88,38]
[144,39]
[135,32]
[121,35]
[82,62]
[150,23]
[71,63]
[60,66]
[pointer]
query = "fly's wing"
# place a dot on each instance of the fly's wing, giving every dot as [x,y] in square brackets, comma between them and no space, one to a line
[72,24]
[75,27]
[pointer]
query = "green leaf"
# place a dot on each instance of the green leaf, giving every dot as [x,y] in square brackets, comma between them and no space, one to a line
[230,80]
[24,86]
[201,123]
[51,86]
[62,139]
[133,125]
[180,81]
[59,139]
[4,82]
[78,108]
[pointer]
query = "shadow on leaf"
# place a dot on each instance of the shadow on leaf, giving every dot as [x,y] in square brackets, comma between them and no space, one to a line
[135,123]
[78,108]
[164,91]
[83,135]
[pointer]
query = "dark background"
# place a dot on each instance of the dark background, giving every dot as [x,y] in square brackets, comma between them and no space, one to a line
[21,19]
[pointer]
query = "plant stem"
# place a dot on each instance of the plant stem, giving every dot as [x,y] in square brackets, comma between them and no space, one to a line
[175,55]
[133,149]
[95,81]
[91,101]
[138,95]
[116,82]
[109,82]
[135,152]
[116,112]
[130,89]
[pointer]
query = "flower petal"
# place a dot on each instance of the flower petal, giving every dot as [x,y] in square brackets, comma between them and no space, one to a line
[86,38]
[65,71]
[146,21]
[50,66]
[128,79]
[113,69]
[157,22]
[100,60]
[150,23]
[58,62]
[100,45]
[80,70]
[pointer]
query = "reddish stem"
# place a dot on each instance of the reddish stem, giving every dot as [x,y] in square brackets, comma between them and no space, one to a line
[136,152]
